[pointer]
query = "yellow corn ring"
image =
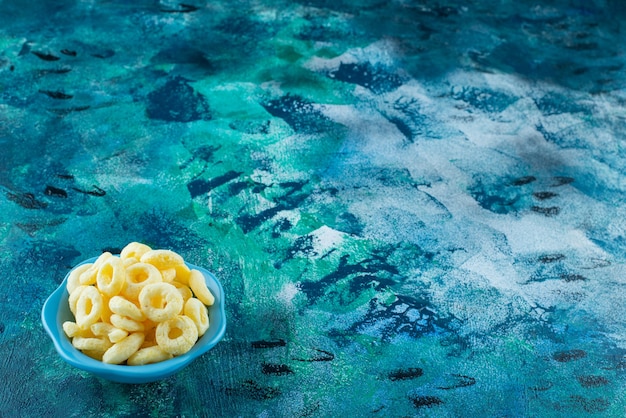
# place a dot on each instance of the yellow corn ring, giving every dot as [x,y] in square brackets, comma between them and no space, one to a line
[73,298]
[160,301]
[198,313]
[126,324]
[94,344]
[124,307]
[184,290]
[139,275]
[122,350]
[162,259]
[88,307]
[111,276]
[150,334]
[72,330]
[104,329]
[73,281]
[94,354]
[182,273]
[169,275]
[106,311]
[177,335]
[89,276]
[148,355]
[134,250]
[129,261]
[199,288]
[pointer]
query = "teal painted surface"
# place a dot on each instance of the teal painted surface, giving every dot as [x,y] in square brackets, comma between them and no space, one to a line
[415,209]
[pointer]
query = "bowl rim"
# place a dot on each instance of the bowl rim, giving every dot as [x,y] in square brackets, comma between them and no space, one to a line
[53,314]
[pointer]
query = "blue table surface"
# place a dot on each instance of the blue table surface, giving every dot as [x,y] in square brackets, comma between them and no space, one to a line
[415,208]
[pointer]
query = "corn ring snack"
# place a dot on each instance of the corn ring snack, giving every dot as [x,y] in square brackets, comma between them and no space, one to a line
[184,290]
[122,350]
[73,298]
[198,313]
[160,301]
[141,307]
[134,250]
[89,276]
[124,307]
[125,323]
[199,288]
[73,281]
[111,276]
[88,307]
[150,337]
[177,335]
[104,329]
[94,344]
[71,329]
[106,311]
[129,261]
[139,275]
[182,273]
[162,259]
[148,355]
[169,275]
[94,354]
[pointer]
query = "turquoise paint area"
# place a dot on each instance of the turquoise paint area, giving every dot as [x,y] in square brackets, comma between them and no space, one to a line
[414,209]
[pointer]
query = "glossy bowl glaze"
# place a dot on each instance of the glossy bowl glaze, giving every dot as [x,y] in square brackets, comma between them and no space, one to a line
[56,311]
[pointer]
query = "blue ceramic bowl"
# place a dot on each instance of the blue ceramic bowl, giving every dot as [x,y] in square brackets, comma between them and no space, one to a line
[56,311]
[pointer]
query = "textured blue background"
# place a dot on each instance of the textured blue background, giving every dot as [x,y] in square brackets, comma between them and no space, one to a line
[415,208]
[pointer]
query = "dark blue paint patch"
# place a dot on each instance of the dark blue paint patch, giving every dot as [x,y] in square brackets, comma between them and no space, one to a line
[546,211]
[318,355]
[405,373]
[56,94]
[495,200]
[26,200]
[95,191]
[590,405]
[293,197]
[102,53]
[55,191]
[455,381]
[375,78]
[251,127]
[253,390]
[183,54]
[486,100]
[276,369]
[51,259]
[403,127]
[569,355]
[177,101]
[521,181]
[45,56]
[347,222]
[162,230]
[299,113]
[182,8]
[268,343]
[555,104]
[369,270]
[592,381]
[425,401]
[544,195]
[561,181]
[413,316]
[241,25]
[199,186]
